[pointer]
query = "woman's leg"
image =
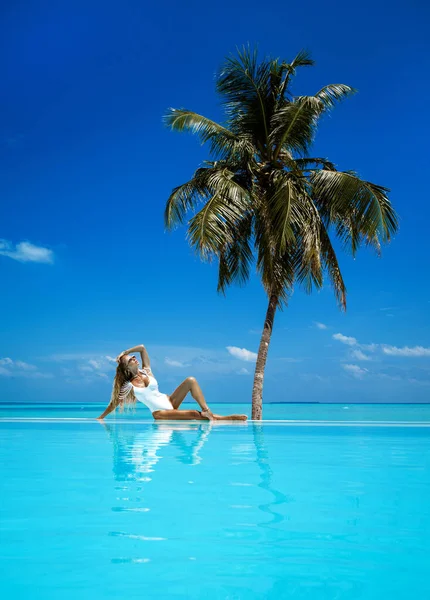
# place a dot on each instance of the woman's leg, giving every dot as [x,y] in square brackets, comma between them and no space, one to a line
[177,415]
[187,415]
[189,385]
[230,418]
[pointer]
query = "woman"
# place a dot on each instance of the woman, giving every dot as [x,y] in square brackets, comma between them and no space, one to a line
[132,383]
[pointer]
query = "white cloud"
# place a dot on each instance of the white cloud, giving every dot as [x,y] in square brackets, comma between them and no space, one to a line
[39,375]
[349,341]
[359,355]
[355,370]
[386,349]
[12,368]
[95,364]
[390,377]
[406,351]
[99,362]
[243,371]
[369,347]
[320,325]
[419,381]
[174,363]
[26,252]
[6,361]
[413,380]
[92,370]
[85,367]
[25,366]
[242,353]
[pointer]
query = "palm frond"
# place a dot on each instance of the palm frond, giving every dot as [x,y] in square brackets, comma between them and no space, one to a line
[236,257]
[215,179]
[283,278]
[265,244]
[331,265]
[223,142]
[293,126]
[280,205]
[180,119]
[214,225]
[309,271]
[207,230]
[305,164]
[359,209]
[303,59]
[184,198]
[330,94]
[244,84]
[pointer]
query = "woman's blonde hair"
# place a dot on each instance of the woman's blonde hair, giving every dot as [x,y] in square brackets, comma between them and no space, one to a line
[123,375]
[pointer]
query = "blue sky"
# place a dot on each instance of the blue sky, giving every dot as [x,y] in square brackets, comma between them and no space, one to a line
[86,167]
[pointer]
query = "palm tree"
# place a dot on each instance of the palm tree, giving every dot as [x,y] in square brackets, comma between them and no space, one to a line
[263,197]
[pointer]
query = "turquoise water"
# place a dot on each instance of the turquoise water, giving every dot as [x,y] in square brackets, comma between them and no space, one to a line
[319,412]
[136,509]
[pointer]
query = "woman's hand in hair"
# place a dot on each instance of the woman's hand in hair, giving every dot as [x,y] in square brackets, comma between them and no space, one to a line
[118,358]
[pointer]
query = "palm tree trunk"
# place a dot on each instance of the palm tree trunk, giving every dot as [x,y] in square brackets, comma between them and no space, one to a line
[257,390]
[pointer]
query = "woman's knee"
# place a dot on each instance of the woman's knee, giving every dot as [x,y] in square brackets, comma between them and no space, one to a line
[158,415]
[191,380]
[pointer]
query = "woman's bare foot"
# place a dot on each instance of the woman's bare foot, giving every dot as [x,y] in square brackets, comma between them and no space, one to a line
[207,414]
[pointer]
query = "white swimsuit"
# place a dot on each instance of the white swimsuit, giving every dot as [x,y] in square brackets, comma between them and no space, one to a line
[152,397]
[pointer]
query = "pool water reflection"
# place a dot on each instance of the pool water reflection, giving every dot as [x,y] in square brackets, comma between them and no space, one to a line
[189,510]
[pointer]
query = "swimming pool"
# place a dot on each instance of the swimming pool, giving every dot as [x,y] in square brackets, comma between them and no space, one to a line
[332,508]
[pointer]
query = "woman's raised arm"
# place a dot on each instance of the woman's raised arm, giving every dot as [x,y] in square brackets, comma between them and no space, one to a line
[146,363]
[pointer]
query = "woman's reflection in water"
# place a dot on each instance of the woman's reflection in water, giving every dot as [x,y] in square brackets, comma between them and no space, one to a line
[136,452]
